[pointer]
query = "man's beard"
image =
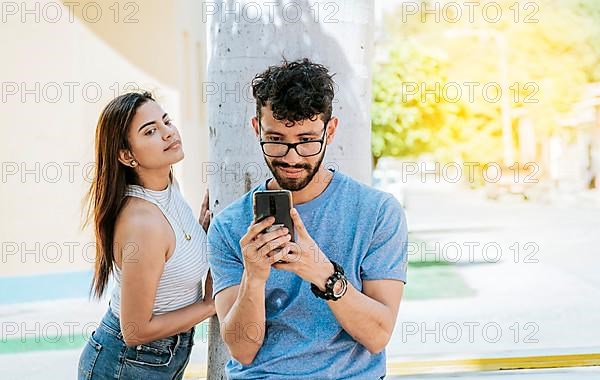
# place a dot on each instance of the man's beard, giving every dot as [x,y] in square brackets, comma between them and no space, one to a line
[294,184]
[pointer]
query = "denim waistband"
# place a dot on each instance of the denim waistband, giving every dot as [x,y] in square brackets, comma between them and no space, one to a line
[111,324]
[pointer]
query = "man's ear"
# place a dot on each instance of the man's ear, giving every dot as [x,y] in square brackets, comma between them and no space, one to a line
[331,127]
[125,157]
[255,125]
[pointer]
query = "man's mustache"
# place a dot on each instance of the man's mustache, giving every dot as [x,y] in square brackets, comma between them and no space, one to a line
[284,165]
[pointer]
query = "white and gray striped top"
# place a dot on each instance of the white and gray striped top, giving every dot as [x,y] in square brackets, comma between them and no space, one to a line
[181,282]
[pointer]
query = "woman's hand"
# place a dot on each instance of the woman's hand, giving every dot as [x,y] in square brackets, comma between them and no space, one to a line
[205,213]
[208,292]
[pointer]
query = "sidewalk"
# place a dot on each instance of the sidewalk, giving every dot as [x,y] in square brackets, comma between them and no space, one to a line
[533,286]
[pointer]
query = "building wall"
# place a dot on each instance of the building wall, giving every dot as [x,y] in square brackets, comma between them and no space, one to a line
[61,64]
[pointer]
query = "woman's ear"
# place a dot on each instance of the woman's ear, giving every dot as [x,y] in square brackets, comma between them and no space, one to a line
[126,158]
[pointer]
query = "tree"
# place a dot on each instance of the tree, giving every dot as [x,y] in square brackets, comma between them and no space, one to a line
[247,37]
[553,51]
[410,115]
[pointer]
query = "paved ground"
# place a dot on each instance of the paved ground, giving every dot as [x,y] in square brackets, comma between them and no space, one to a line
[542,302]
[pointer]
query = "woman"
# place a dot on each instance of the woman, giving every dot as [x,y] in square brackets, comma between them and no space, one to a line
[148,240]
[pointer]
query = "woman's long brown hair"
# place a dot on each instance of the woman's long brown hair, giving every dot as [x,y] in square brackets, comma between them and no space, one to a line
[106,195]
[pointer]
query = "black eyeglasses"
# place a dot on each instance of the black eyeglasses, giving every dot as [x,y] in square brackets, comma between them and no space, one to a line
[303,148]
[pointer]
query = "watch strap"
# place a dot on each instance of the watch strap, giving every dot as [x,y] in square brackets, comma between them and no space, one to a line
[338,275]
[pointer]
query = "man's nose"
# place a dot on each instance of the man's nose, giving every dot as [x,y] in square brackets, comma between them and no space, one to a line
[292,157]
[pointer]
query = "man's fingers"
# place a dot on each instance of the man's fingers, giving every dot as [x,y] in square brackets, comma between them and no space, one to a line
[256,228]
[264,240]
[274,244]
[269,236]
[293,252]
[279,254]
[298,223]
[294,247]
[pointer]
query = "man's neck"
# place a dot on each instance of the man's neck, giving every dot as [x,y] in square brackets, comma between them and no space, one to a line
[317,185]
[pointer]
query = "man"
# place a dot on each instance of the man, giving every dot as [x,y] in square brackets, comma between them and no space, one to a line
[350,244]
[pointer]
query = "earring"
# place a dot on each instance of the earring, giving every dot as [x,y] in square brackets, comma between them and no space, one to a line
[133,163]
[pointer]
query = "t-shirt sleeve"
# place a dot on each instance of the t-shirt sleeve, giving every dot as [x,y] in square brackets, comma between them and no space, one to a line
[387,254]
[226,266]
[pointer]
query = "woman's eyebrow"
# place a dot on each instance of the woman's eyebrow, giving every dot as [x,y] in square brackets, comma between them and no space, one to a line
[146,124]
[150,122]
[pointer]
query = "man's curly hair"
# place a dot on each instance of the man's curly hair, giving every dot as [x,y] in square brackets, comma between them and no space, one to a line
[297,90]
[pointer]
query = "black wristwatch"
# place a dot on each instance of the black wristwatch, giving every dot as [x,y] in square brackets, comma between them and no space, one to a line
[335,286]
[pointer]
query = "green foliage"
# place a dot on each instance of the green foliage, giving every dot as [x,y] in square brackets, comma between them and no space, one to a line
[412,114]
[550,60]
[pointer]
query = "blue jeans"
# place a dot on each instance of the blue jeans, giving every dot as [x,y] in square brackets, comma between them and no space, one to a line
[106,356]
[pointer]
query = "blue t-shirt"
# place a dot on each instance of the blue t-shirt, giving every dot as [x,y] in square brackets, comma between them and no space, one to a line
[361,228]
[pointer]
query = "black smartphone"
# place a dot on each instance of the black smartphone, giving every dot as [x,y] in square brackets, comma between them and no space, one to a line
[277,203]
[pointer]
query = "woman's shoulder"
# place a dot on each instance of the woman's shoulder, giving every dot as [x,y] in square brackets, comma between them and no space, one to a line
[141,218]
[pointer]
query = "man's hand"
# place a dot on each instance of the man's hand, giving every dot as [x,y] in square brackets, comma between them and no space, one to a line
[305,258]
[260,250]
[244,304]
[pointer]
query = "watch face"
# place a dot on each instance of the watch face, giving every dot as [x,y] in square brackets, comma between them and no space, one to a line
[339,287]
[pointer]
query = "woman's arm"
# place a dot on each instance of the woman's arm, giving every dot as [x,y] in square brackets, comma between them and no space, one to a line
[143,237]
